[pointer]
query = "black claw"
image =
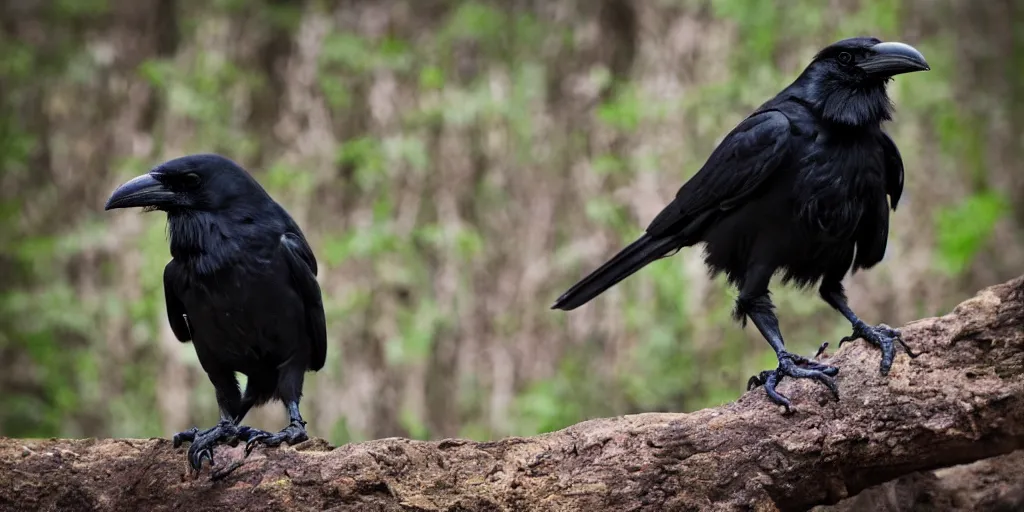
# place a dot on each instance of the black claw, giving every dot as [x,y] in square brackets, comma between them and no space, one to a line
[195,457]
[796,367]
[294,433]
[821,350]
[251,444]
[769,388]
[809,363]
[252,436]
[758,380]
[183,437]
[203,443]
[906,348]
[830,371]
[883,337]
[199,456]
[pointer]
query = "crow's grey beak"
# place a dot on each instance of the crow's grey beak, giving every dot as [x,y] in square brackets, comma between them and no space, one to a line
[143,191]
[889,59]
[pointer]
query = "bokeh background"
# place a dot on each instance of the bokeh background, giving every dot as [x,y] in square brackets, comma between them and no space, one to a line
[456,165]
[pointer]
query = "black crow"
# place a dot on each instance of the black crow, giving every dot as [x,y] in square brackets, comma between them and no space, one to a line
[241,285]
[798,187]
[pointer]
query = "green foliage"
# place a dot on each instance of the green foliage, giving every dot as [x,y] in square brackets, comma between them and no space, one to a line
[432,77]
[284,16]
[197,92]
[608,164]
[474,21]
[417,329]
[964,228]
[573,395]
[340,434]
[46,330]
[17,62]
[758,24]
[878,18]
[624,112]
[80,8]
[41,324]
[357,55]
[603,210]
[412,424]
[346,58]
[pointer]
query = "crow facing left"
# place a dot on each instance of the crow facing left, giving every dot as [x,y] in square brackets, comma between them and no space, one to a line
[241,285]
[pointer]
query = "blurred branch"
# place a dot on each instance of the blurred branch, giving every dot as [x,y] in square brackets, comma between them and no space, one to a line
[962,400]
[990,485]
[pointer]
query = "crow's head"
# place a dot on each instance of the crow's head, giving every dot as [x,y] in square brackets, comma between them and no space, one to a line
[847,79]
[203,182]
[860,60]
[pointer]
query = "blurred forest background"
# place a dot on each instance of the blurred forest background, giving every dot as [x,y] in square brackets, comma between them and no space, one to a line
[456,165]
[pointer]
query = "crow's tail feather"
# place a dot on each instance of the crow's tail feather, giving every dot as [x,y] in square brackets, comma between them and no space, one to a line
[630,259]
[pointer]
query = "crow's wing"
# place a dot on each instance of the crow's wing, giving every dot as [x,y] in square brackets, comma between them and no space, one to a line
[303,269]
[176,314]
[872,233]
[893,170]
[873,229]
[750,153]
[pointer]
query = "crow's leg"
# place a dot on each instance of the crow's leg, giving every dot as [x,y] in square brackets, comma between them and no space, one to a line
[258,390]
[294,433]
[289,389]
[881,336]
[225,431]
[754,303]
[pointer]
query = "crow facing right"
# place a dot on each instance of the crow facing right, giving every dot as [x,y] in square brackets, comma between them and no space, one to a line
[798,187]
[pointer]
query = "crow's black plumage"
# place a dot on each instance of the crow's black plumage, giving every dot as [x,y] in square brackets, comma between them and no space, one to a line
[798,187]
[241,285]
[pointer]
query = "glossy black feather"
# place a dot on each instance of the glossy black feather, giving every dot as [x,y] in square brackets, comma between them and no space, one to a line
[176,315]
[798,186]
[302,266]
[244,276]
[893,170]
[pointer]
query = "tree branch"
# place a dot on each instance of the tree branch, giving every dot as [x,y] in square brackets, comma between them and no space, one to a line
[962,400]
[989,485]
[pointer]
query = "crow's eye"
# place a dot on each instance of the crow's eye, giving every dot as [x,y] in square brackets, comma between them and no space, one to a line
[191,180]
[845,57]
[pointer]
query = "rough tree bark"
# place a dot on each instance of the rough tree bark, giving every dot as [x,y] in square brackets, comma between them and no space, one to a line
[962,400]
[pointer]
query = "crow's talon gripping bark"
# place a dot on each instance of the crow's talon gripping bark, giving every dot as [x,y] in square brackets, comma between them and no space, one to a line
[293,434]
[248,433]
[883,337]
[203,445]
[186,436]
[204,441]
[797,367]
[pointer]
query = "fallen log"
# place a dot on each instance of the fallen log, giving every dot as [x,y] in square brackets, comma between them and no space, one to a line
[960,401]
